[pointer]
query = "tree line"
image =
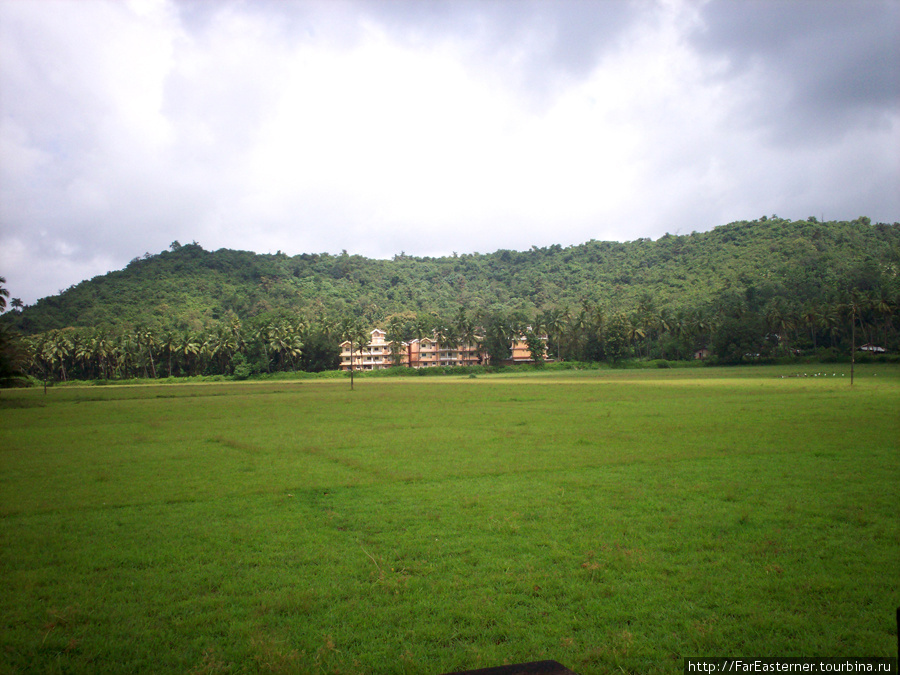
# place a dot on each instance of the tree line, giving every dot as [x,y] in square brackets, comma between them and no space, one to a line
[736,328]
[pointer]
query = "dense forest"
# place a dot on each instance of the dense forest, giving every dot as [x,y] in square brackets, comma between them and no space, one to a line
[748,290]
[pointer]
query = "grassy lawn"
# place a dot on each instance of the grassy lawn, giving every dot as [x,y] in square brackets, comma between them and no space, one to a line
[611,520]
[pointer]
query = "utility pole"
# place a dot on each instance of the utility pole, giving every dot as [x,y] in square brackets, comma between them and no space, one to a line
[852,338]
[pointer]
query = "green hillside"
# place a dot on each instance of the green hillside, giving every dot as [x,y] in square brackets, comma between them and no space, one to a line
[189,288]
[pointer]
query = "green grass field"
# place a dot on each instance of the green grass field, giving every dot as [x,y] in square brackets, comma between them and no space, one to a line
[616,521]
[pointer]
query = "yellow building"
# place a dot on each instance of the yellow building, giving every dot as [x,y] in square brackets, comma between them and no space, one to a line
[423,353]
[374,356]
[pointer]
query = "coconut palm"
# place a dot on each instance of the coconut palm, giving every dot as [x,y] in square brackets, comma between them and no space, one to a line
[555,321]
[168,345]
[13,357]
[83,353]
[780,322]
[56,352]
[395,339]
[189,348]
[811,318]
[284,342]
[468,338]
[145,341]
[101,350]
[356,335]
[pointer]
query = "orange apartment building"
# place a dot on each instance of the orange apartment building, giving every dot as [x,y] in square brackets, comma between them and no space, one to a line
[424,353]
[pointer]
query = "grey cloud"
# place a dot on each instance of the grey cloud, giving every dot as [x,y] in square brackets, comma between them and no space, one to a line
[536,42]
[824,66]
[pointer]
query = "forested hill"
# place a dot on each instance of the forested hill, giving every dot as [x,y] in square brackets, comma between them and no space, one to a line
[189,288]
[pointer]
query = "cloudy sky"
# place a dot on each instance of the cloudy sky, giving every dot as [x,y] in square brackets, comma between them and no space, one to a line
[430,127]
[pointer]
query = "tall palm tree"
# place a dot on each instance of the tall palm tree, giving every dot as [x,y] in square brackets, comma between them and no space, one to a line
[13,357]
[168,346]
[578,327]
[780,323]
[146,341]
[356,335]
[419,331]
[830,320]
[286,343]
[189,347]
[57,350]
[223,345]
[555,322]
[812,319]
[395,339]
[438,334]
[84,355]
[101,349]
[467,336]
[235,328]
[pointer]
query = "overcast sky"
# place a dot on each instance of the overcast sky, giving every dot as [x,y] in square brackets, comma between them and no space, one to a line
[430,127]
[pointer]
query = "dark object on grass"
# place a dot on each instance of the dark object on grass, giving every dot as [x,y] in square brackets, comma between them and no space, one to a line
[533,668]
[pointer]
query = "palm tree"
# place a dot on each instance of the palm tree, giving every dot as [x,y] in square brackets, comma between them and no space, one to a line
[419,331]
[660,323]
[146,340]
[56,351]
[101,350]
[225,346]
[13,357]
[555,321]
[446,338]
[84,355]
[830,320]
[284,342]
[578,326]
[236,336]
[4,294]
[356,334]
[636,333]
[812,319]
[346,335]
[168,346]
[395,339]
[189,349]
[465,333]
[361,336]
[781,324]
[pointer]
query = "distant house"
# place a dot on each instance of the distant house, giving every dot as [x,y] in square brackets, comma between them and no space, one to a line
[519,351]
[872,349]
[702,354]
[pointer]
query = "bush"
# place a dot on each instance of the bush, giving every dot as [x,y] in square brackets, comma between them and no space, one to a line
[832,355]
[241,369]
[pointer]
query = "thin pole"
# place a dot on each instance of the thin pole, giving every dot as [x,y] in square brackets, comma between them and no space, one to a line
[852,340]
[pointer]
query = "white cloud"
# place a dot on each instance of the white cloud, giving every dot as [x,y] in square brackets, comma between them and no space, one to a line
[381,127]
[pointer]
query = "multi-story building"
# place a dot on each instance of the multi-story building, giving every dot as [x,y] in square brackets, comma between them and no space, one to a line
[374,356]
[421,353]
